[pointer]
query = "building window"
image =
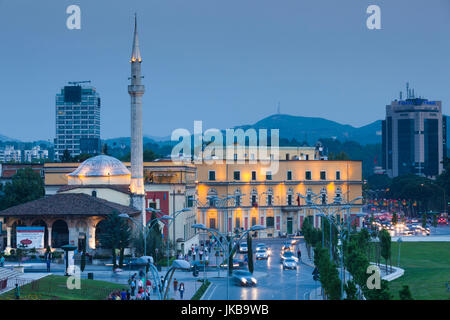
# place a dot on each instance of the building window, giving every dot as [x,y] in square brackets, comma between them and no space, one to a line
[190,201]
[287,156]
[237,175]
[237,223]
[269,222]
[212,175]
[235,157]
[338,175]
[94,194]
[238,201]
[269,199]
[212,202]
[289,175]
[254,202]
[289,199]
[323,175]
[269,175]
[253,175]
[253,221]
[308,175]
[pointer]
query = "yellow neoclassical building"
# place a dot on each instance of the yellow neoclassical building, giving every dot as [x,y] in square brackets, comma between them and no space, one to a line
[276,200]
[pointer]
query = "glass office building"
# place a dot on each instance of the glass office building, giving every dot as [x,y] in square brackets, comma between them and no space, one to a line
[414,137]
[77,121]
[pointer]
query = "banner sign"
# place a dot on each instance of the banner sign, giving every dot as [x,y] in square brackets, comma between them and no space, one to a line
[30,237]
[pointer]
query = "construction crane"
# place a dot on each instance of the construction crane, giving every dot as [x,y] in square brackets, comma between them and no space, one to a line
[77,83]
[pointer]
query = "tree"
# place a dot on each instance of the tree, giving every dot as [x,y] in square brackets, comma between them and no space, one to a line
[385,243]
[378,294]
[394,219]
[351,290]
[117,235]
[405,293]
[148,156]
[434,223]
[424,220]
[154,241]
[250,252]
[66,157]
[26,185]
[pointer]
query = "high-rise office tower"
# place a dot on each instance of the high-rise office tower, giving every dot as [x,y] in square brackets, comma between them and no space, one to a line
[414,137]
[77,120]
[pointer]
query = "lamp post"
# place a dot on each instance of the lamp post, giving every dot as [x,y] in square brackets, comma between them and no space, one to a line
[228,248]
[399,243]
[172,219]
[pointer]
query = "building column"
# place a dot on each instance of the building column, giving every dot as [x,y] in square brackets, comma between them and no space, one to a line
[49,236]
[90,236]
[8,239]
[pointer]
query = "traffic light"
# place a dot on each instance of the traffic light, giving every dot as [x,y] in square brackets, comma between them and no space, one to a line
[195,271]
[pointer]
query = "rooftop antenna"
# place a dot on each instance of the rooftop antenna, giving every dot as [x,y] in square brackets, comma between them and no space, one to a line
[278,108]
[407,90]
[400,95]
[413,95]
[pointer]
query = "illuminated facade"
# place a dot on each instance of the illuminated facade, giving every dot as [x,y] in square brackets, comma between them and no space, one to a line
[272,200]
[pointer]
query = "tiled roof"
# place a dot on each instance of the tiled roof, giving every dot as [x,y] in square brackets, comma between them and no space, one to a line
[68,204]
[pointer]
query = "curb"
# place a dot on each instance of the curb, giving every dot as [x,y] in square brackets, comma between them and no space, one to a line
[207,290]
[398,272]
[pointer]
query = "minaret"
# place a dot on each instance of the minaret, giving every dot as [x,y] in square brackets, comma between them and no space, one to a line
[136,90]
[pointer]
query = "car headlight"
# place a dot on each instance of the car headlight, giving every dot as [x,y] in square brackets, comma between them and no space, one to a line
[243,280]
[254,280]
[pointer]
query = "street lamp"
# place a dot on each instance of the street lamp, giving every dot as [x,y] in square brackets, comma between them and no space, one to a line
[399,240]
[164,219]
[229,242]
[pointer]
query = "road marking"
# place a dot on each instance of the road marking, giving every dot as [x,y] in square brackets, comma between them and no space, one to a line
[212,292]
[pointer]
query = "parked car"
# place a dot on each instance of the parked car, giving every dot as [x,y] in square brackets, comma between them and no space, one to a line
[287,255]
[261,253]
[289,264]
[244,278]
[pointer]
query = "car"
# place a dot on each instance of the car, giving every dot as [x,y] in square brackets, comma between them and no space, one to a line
[443,220]
[264,246]
[243,248]
[287,246]
[261,253]
[287,255]
[289,264]
[244,278]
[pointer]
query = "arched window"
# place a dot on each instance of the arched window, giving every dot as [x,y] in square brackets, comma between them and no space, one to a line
[18,223]
[237,199]
[100,231]
[323,195]
[254,197]
[94,194]
[60,234]
[212,193]
[270,197]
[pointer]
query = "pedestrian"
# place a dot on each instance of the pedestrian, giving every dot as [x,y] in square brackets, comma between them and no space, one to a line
[140,283]
[175,285]
[299,254]
[17,292]
[193,256]
[154,288]
[206,258]
[48,264]
[133,287]
[123,294]
[148,284]
[200,254]
[128,295]
[181,289]
[2,261]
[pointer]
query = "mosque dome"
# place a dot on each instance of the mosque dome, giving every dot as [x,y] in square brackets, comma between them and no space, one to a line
[101,166]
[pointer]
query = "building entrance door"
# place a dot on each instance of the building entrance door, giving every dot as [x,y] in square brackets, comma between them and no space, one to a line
[289,225]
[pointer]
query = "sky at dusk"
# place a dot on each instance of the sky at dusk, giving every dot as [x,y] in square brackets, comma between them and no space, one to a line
[226,62]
